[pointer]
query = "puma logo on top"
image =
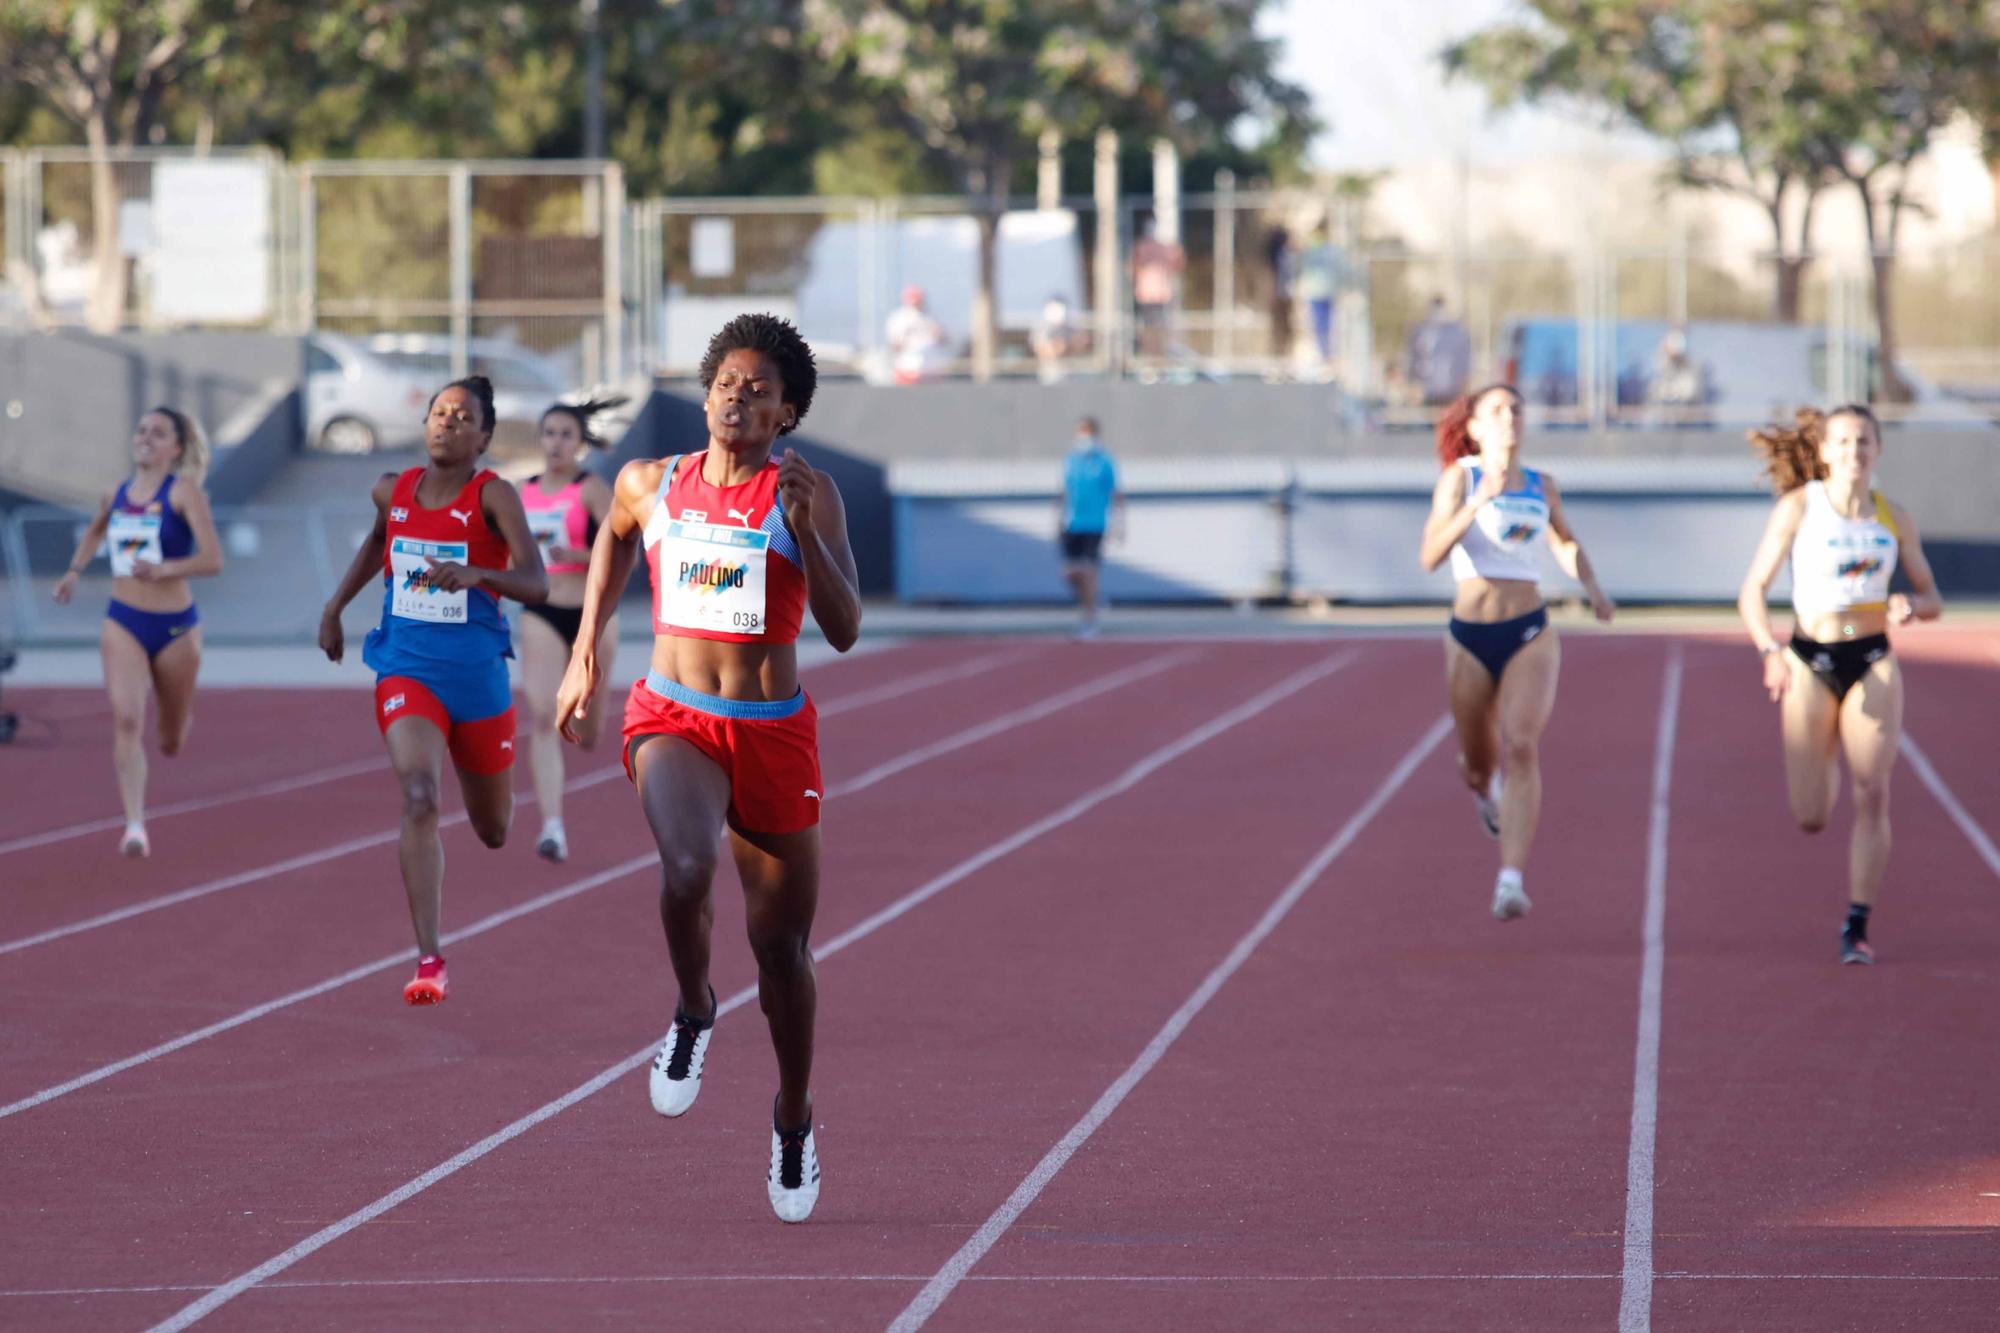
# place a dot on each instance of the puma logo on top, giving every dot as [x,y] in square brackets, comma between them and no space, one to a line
[810,792]
[465,517]
[743,514]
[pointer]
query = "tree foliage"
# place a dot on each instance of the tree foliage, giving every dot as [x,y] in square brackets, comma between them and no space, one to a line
[1767,98]
[1720,80]
[975,83]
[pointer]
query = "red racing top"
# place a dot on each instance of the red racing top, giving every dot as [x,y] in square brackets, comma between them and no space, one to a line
[723,560]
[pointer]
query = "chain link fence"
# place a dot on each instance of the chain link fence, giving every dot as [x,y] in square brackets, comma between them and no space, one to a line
[541,274]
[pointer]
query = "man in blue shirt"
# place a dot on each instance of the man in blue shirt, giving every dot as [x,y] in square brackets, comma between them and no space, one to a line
[1090,493]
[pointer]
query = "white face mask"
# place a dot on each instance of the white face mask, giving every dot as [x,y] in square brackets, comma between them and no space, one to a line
[1085,442]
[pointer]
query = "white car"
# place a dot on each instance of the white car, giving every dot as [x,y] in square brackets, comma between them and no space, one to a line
[363,394]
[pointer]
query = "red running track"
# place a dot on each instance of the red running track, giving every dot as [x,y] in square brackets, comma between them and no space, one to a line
[1396,1113]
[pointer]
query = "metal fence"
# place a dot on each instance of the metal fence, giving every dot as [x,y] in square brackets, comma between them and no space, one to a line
[1284,285]
[549,260]
[526,254]
[283,563]
[521,254]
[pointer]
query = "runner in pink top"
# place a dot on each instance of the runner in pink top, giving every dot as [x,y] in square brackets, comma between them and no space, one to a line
[565,504]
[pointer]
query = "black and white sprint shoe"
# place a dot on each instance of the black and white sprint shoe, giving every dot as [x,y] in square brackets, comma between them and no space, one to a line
[794,1180]
[676,1078]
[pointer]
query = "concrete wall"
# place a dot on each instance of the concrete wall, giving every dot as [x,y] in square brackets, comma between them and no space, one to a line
[68,400]
[1948,478]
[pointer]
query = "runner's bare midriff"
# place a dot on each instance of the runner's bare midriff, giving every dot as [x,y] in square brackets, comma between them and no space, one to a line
[1835,626]
[752,672]
[1489,600]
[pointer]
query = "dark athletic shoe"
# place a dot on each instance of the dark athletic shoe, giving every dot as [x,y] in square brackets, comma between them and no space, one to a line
[1855,951]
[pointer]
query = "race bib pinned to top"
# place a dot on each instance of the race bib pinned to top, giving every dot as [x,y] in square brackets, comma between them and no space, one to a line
[412,594]
[546,526]
[132,538]
[712,577]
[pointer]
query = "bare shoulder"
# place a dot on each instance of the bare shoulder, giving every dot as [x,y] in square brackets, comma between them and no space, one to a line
[640,478]
[187,495]
[384,489]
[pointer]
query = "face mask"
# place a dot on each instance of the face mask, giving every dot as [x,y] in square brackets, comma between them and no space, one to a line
[1085,442]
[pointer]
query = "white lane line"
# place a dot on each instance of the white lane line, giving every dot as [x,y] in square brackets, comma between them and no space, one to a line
[275,787]
[1960,816]
[1111,680]
[1635,1295]
[960,1264]
[1132,1279]
[922,680]
[271,871]
[451,1166]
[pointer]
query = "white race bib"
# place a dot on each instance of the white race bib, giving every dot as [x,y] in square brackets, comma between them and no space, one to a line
[712,577]
[131,538]
[412,595]
[546,526]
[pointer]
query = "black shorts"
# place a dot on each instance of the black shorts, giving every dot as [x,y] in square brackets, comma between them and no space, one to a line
[564,620]
[1840,666]
[1083,546]
[1494,642]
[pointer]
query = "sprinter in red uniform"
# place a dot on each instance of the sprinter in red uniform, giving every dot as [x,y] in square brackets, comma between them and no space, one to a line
[738,545]
[449,541]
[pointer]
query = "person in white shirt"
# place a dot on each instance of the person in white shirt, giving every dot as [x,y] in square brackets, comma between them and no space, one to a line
[916,340]
[1502,657]
[1838,688]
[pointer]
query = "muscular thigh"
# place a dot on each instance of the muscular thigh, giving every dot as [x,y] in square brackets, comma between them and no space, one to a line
[544,658]
[128,674]
[684,793]
[1528,687]
[174,672]
[780,874]
[1871,720]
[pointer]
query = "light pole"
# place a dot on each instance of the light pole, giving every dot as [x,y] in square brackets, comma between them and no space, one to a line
[593,82]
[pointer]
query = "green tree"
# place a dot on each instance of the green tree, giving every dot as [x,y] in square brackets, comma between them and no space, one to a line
[106,68]
[1888,75]
[976,82]
[1726,82]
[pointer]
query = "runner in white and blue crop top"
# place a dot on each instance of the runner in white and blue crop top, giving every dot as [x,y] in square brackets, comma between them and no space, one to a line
[1838,687]
[1488,516]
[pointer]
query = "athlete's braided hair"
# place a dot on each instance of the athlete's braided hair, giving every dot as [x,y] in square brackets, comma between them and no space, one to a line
[773,337]
[1791,453]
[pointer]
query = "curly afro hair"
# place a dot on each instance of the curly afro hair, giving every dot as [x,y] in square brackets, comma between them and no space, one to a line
[777,339]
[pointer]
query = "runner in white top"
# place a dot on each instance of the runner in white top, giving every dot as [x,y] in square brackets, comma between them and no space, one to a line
[1501,656]
[1839,688]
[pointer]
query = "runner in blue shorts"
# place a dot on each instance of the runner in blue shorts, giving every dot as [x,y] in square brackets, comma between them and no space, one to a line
[449,541]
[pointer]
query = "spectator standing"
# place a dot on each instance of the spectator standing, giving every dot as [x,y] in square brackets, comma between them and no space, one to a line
[1439,355]
[916,340]
[1278,256]
[1055,339]
[1156,271]
[1319,284]
[1090,496]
